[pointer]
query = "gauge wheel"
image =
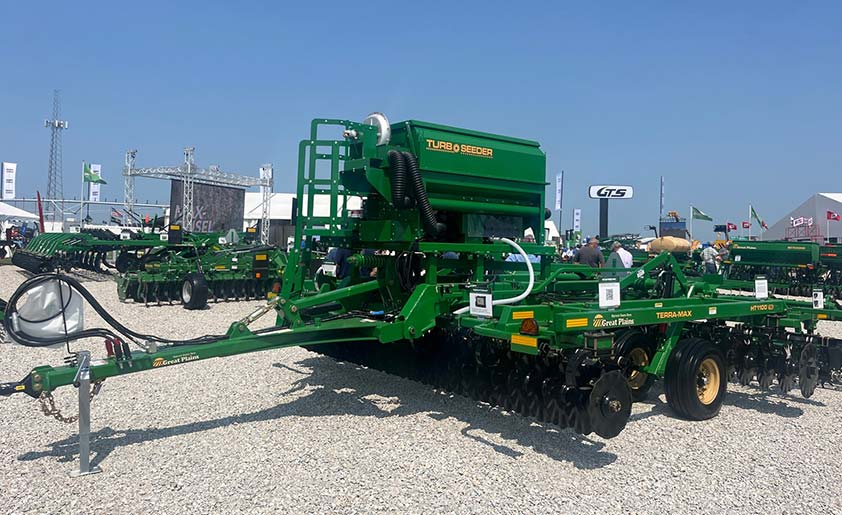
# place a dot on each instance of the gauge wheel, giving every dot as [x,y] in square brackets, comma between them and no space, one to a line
[695,380]
[123,262]
[194,291]
[637,350]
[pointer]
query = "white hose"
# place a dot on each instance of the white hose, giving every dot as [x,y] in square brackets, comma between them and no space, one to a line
[525,292]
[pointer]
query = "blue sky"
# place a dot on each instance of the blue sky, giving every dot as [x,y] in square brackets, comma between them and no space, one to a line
[731,101]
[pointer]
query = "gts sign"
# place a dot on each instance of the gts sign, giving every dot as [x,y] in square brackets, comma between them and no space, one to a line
[610,192]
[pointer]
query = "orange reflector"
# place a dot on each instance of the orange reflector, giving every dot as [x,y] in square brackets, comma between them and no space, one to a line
[821,316]
[529,326]
[257,275]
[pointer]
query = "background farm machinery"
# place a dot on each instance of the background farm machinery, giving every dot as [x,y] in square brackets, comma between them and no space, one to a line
[193,275]
[792,268]
[438,302]
[169,266]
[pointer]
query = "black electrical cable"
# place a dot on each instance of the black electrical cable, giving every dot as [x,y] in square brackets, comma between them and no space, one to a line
[11,314]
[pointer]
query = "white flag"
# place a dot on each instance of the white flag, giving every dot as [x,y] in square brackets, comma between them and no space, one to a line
[94,196]
[9,173]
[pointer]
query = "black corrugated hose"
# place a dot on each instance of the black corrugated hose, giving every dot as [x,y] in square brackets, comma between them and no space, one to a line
[397,163]
[428,217]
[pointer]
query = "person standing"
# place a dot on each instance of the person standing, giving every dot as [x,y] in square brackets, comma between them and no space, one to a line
[590,255]
[624,254]
[619,258]
[709,257]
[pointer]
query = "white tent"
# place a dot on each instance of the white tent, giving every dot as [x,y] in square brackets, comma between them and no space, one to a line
[808,221]
[8,212]
[280,206]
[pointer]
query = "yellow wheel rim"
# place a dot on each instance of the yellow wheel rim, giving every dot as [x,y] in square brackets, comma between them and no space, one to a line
[707,381]
[639,358]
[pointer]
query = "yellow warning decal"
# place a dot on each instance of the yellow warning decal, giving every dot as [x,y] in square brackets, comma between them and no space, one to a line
[821,316]
[20,388]
[220,267]
[520,315]
[576,322]
[175,227]
[261,257]
[527,341]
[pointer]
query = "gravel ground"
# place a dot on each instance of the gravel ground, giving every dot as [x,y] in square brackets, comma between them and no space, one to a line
[290,431]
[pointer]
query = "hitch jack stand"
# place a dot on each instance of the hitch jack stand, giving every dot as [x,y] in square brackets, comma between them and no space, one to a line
[83,379]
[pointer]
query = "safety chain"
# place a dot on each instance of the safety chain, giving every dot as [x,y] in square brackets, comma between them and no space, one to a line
[48,405]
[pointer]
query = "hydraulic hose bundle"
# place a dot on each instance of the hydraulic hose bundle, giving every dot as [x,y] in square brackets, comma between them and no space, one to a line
[12,319]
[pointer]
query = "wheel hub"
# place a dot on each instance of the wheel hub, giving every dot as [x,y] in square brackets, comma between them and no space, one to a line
[708,381]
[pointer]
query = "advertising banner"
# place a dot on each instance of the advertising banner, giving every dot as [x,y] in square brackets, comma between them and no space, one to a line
[9,173]
[215,208]
[97,171]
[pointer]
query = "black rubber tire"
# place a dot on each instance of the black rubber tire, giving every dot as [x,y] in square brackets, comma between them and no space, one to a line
[636,341]
[683,374]
[123,262]
[194,291]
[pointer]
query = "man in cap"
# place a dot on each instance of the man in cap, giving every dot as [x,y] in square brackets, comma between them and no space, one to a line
[625,255]
[590,255]
[619,258]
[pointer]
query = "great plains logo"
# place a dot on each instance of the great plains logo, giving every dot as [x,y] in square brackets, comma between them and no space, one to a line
[459,148]
[618,320]
[683,313]
[763,307]
[161,362]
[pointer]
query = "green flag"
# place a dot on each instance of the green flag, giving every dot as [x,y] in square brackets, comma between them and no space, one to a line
[757,217]
[90,176]
[699,215]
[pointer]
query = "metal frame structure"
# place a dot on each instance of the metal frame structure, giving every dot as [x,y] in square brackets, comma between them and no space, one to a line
[55,188]
[189,174]
[805,233]
[266,174]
